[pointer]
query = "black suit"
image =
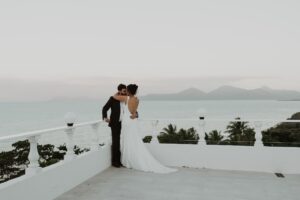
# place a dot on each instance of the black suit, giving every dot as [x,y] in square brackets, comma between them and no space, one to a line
[115,126]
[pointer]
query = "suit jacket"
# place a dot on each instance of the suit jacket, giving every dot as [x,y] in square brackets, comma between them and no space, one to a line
[115,107]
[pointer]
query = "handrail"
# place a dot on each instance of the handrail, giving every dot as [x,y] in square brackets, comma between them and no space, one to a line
[44,131]
[221,120]
[33,137]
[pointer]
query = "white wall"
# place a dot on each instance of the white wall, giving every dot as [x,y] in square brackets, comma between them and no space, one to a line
[261,159]
[55,180]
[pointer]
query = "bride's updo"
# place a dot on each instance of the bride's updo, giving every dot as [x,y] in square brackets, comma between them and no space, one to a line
[132,88]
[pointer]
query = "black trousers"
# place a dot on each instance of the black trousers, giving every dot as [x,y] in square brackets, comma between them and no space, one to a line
[115,147]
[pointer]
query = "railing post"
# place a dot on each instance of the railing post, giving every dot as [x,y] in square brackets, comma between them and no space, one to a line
[95,139]
[202,114]
[202,131]
[33,157]
[258,134]
[70,154]
[154,132]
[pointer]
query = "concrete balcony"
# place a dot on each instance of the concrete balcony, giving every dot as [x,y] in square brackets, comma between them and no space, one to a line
[187,183]
[205,171]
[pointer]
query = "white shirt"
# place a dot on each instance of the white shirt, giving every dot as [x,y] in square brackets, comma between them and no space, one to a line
[122,110]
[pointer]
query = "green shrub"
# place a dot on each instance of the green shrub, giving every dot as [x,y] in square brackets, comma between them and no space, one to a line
[214,137]
[183,136]
[147,139]
[286,134]
[12,162]
[240,133]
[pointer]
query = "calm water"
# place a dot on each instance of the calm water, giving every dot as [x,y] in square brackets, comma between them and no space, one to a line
[20,117]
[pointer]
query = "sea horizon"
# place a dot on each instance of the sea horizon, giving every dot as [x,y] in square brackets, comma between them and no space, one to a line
[19,117]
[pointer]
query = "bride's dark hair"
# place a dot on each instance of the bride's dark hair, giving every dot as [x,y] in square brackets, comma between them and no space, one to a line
[132,88]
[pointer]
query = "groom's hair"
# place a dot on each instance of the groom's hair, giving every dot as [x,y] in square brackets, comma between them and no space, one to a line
[121,87]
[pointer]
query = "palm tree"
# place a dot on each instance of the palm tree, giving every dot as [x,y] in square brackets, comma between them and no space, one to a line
[214,137]
[240,133]
[183,136]
[168,135]
[188,136]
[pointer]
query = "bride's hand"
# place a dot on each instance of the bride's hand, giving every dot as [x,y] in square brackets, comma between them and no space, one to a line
[134,116]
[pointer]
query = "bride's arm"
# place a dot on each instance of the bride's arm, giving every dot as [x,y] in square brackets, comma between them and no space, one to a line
[120,98]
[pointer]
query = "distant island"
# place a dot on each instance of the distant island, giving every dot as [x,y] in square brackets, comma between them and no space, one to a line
[291,100]
[228,93]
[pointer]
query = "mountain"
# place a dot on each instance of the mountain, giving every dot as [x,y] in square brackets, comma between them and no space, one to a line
[228,93]
[188,94]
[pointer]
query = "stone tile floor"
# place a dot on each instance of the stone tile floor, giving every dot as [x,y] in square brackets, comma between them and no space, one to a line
[186,184]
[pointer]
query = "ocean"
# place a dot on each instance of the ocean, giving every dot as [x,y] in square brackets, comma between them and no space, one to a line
[22,117]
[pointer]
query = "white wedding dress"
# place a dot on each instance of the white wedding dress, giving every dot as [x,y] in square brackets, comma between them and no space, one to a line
[134,153]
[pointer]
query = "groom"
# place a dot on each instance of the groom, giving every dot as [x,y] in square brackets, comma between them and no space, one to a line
[115,123]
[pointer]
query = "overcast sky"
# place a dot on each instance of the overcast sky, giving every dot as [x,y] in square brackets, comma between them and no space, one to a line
[204,44]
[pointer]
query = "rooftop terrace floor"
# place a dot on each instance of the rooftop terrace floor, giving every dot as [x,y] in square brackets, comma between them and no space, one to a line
[187,184]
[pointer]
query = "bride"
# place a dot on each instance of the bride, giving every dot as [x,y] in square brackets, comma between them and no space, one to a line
[134,153]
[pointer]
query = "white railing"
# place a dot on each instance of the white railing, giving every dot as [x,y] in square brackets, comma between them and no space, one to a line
[258,124]
[50,182]
[34,136]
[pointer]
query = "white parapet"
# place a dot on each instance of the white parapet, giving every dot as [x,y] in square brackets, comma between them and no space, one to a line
[50,182]
[57,179]
[243,158]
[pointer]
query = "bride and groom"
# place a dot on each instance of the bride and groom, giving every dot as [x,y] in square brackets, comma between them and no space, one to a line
[128,149]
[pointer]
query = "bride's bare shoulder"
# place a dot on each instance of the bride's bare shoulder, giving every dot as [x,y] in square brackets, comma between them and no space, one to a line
[135,99]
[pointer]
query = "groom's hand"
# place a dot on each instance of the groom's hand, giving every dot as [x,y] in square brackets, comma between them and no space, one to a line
[107,120]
